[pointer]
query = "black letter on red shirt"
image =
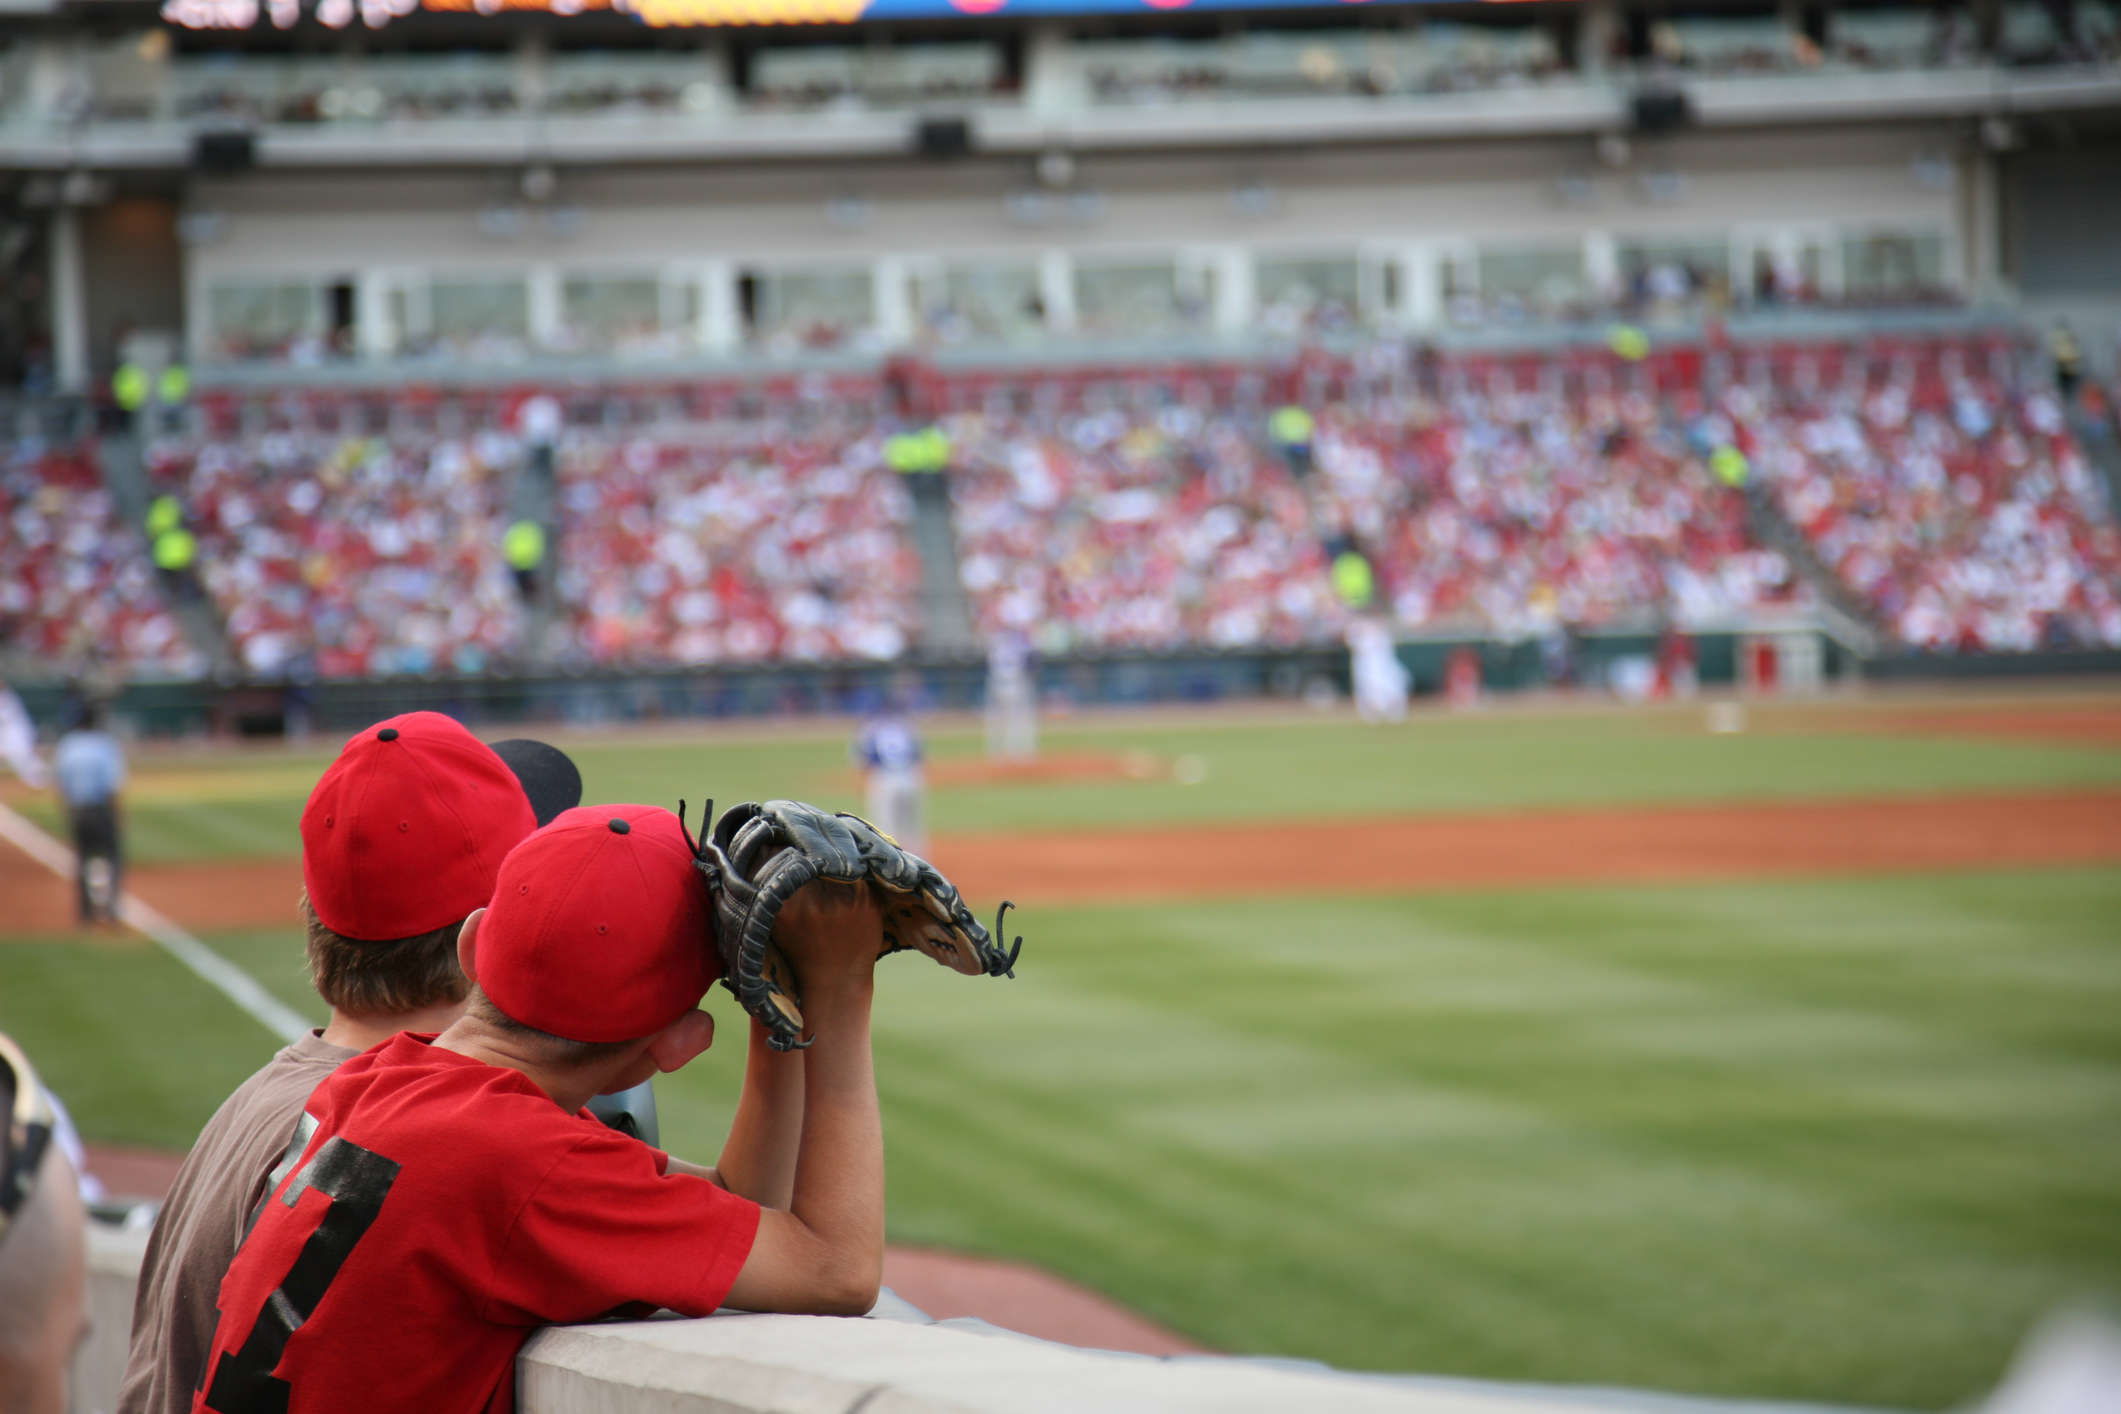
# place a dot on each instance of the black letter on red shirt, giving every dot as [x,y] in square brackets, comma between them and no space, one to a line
[357,1180]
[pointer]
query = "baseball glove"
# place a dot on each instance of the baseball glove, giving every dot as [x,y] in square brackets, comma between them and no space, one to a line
[760,854]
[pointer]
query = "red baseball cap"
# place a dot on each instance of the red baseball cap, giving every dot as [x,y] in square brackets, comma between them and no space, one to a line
[407,829]
[599,926]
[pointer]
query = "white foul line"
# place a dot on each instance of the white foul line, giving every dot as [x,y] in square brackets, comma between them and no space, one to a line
[215,970]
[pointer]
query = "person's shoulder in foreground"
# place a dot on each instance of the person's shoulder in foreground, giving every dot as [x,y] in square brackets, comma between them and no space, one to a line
[401,839]
[43,1255]
[449,1196]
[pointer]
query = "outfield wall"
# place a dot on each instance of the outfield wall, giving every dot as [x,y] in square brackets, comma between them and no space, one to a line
[1124,679]
[897,1362]
[164,709]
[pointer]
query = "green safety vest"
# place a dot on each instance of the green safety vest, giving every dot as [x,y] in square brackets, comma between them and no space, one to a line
[129,386]
[902,453]
[908,453]
[164,514]
[523,544]
[175,384]
[1629,342]
[1352,579]
[935,449]
[1730,465]
[174,550]
[1290,426]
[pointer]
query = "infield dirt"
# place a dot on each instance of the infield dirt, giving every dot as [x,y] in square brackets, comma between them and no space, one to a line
[1666,844]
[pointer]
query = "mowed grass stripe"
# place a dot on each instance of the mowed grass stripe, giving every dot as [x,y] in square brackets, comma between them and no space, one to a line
[1768,1166]
[1330,768]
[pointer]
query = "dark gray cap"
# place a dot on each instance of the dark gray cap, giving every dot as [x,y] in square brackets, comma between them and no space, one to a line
[548,776]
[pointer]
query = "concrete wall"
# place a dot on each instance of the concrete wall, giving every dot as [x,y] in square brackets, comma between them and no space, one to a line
[896,1362]
[1413,210]
[342,222]
[113,1272]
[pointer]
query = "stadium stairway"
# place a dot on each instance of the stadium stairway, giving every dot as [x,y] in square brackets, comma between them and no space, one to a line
[2097,435]
[946,612]
[1773,529]
[124,469]
[535,497]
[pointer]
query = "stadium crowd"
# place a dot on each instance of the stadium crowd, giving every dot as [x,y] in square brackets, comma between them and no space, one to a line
[1512,512]
[1518,511]
[1964,514]
[348,555]
[735,540]
[1949,496]
[1134,527]
[76,584]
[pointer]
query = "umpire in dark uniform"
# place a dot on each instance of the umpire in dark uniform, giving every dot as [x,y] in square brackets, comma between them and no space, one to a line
[90,769]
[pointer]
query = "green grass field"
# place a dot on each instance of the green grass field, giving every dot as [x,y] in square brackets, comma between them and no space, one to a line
[1836,1140]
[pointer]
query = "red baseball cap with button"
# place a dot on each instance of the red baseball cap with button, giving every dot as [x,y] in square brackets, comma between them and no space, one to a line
[599,926]
[406,831]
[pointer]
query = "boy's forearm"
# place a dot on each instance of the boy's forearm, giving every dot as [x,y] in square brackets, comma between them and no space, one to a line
[839,1175]
[758,1161]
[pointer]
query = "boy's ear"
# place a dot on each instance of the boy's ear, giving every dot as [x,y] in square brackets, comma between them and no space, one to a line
[468,944]
[676,1044]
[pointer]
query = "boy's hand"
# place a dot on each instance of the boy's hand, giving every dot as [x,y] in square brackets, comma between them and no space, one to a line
[830,935]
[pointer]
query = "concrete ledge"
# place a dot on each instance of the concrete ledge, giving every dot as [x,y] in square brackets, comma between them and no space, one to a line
[818,1365]
[896,1361]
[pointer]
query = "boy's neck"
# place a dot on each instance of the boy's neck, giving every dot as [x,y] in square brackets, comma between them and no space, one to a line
[571,1087]
[359,1033]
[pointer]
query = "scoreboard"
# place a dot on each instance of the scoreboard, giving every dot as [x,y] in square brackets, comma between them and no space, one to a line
[373,14]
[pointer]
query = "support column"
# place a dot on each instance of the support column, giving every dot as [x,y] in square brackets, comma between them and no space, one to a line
[1236,291]
[1981,225]
[546,317]
[1056,289]
[1421,286]
[69,303]
[721,323]
[1054,83]
[892,297]
[1597,24]
[376,336]
[1601,264]
[531,63]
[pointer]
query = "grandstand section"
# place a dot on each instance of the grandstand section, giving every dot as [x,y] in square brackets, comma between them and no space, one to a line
[1606,319]
[1932,484]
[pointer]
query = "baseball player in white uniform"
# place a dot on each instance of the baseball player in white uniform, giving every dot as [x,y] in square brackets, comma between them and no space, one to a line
[1380,678]
[888,749]
[1012,698]
[18,741]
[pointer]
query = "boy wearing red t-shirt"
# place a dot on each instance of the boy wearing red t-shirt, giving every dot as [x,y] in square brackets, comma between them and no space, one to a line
[445,1195]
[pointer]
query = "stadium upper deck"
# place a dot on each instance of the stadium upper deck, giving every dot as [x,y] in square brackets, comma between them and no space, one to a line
[424,189]
[320,84]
